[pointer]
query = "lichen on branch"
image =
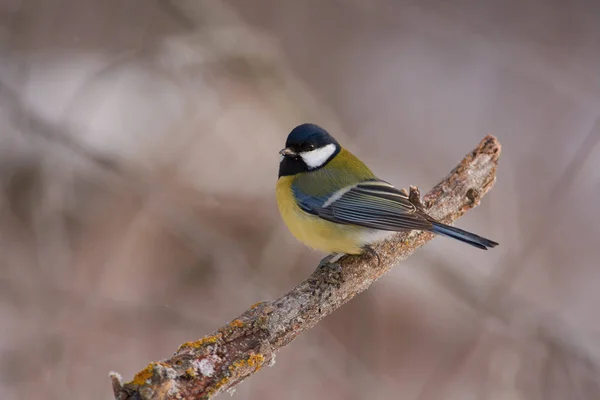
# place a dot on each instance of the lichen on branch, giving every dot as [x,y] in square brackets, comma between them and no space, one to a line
[217,362]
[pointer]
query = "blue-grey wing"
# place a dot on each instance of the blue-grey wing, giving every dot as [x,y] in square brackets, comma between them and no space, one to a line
[308,203]
[373,204]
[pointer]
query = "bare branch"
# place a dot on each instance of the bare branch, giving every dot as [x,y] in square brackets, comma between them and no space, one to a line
[219,361]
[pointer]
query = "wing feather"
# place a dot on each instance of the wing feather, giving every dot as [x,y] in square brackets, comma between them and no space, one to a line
[374,204]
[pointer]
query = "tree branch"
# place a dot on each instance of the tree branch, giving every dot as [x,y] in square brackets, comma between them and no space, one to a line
[219,361]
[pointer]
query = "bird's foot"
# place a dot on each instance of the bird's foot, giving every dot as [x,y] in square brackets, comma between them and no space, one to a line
[372,252]
[332,271]
[415,198]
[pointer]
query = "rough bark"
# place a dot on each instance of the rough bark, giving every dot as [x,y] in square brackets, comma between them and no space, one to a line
[206,367]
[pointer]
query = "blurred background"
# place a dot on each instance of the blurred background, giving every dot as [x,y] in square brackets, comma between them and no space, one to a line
[138,159]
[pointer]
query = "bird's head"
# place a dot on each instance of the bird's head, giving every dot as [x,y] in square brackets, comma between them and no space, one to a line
[308,147]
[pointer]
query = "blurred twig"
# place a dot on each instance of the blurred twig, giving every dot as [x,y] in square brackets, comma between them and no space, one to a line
[543,327]
[516,263]
[219,361]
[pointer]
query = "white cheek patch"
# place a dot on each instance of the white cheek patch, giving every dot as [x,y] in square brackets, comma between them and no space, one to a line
[317,157]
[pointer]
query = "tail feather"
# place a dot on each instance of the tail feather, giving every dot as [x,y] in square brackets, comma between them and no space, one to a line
[463,236]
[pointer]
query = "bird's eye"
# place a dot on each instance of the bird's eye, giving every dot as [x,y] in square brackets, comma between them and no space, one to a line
[310,147]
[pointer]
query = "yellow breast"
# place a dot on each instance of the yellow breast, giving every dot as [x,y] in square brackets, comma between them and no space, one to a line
[313,231]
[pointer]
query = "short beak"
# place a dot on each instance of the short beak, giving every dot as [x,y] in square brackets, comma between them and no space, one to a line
[287,152]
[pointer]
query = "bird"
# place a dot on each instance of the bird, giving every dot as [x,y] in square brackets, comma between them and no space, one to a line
[332,202]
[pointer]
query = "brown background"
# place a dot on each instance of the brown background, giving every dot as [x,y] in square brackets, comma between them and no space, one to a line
[138,156]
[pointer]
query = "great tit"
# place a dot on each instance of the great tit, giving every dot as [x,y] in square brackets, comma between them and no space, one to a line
[332,202]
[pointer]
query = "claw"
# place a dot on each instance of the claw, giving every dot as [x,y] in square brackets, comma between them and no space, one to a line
[415,198]
[372,252]
[332,269]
